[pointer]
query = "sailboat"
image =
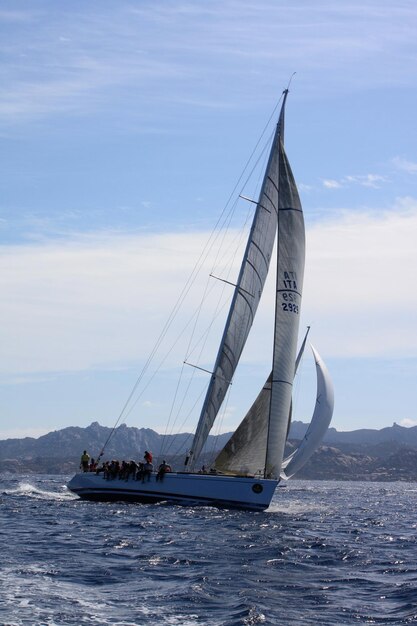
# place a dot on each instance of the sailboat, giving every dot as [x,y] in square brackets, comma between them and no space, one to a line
[247,471]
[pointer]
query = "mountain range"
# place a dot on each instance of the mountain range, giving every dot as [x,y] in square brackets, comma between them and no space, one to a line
[365,454]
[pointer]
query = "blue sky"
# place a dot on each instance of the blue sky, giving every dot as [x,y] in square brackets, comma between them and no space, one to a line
[124,128]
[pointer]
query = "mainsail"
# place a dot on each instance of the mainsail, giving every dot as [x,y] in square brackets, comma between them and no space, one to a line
[248,291]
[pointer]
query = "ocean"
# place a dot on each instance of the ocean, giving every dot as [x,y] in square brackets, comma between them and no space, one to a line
[325,553]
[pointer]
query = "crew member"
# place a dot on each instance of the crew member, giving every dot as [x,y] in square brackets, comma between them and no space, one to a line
[84,461]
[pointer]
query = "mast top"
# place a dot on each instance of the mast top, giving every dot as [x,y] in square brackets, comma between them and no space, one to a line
[282,113]
[281,118]
[289,82]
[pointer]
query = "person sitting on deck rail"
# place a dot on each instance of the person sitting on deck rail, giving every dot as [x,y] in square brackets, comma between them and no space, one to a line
[113,470]
[140,472]
[162,470]
[147,471]
[132,469]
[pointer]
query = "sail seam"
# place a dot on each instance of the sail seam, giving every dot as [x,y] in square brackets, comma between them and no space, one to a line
[289,291]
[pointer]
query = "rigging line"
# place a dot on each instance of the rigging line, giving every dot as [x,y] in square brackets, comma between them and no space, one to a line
[229,265]
[237,243]
[163,361]
[231,195]
[204,339]
[238,239]
[164,331]
[272,116]
[220,304]
[158,368]
[187,285]
[197,315]
[219,425]
[167,355]
[263,151]
[172,408]
[204,335]
[197,268]
[206,248]
[186,419]
[262,155]
[290,81]
[249,213]
[189,351]
[299,377]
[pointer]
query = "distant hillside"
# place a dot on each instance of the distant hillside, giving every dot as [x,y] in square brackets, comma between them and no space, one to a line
[386,454]
[61,449]
[363,436]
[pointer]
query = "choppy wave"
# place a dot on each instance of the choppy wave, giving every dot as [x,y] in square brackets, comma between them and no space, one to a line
[324,554]
[29,490]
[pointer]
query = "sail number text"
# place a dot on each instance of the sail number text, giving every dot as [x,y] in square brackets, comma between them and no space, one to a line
[290,298]
[289,303]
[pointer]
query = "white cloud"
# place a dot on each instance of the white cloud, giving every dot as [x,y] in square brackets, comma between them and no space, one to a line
[332,184]
[91,302]
[408,422]
[405,165]
[367,180]
[364,180]
[361,273]
[101,301]
[74,56]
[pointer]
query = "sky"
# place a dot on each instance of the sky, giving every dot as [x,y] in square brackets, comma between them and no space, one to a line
[125,127]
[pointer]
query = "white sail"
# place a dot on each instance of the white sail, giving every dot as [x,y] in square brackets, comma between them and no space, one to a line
[248,291]
[290,274]
[322,416]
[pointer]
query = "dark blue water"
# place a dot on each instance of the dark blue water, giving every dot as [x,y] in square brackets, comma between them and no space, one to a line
[325,553]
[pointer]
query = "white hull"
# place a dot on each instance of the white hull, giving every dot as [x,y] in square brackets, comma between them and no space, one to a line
[177,488]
